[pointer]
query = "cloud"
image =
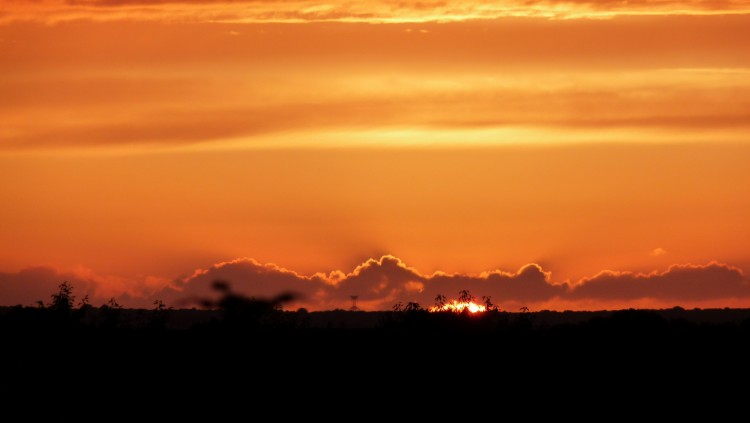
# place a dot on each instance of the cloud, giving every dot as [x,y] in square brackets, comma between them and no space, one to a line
[28,286]
[248,277]
[380,283]
[387,277]
[678,283]
[33,284]
[529,284]
[658,252]
[382,11]
[156,112]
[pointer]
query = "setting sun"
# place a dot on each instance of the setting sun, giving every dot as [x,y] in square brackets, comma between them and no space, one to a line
[458,307]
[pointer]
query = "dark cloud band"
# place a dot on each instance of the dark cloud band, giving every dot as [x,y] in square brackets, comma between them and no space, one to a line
[385,281]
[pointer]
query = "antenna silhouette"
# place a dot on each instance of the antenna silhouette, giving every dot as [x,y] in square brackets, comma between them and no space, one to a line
[354,303]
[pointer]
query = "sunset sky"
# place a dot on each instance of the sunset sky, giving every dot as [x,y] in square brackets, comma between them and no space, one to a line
[553,154]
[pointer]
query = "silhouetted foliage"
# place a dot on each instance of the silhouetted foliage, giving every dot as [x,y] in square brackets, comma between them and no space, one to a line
[465,296]
[63,299]
[245,317]
[112,303]
[487,300]
[159,306]
[412,306]
[440,301]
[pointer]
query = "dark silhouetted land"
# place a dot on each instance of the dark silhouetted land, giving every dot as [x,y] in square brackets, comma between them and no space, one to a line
[256,344]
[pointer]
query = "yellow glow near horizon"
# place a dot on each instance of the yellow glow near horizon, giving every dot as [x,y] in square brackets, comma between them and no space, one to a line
[459,306]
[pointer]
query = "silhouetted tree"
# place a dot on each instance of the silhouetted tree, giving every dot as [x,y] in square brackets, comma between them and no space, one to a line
[488,303]
[465,296]
[159,305]
[440,301]
[63,299]
[398,307]
[412,306]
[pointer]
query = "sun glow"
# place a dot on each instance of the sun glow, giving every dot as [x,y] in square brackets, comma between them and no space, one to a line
[459,306]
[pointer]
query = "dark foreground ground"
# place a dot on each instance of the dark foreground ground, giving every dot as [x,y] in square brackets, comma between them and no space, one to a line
[201,340]
[629,359]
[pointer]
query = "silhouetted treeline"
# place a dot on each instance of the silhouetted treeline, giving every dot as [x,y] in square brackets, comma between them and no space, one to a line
[235,344]
[232,312]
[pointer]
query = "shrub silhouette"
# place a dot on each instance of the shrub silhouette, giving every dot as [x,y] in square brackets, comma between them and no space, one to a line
[440,300]
[465,296]
[63,299]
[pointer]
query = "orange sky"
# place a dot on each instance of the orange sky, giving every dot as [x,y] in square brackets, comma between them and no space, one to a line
[141,140]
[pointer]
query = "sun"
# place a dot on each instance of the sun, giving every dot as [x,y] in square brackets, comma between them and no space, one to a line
[460,306]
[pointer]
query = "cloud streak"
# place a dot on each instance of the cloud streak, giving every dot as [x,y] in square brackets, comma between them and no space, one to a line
[185,113]
[379,283]
[89,85]
[382,11]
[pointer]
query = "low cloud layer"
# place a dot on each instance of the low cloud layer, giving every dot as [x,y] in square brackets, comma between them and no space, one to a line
[34,284]
[378,284]
[678,283]
[383,282]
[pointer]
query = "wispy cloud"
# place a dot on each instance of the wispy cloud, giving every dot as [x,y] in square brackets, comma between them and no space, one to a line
[382,11]
[480,109]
